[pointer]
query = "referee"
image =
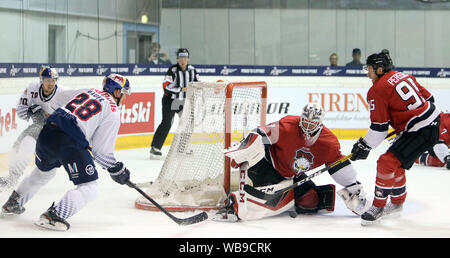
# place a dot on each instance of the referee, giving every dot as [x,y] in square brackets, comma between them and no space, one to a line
[177,77]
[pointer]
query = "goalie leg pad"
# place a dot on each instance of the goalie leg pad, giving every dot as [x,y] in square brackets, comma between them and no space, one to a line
[441,151]
[355,198]
[250,150]
[254,208]
[319,198]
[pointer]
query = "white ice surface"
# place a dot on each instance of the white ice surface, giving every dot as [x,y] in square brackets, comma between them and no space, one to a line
[426,211]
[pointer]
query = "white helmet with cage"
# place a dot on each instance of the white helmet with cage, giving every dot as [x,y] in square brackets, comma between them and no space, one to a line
[311,121]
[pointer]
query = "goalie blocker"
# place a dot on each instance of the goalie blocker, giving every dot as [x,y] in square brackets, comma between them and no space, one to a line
[259,150]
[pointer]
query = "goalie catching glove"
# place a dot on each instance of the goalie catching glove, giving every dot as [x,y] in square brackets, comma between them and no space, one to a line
[119,173]
[250,149]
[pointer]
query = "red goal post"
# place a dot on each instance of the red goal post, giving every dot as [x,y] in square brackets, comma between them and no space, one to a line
[228,118]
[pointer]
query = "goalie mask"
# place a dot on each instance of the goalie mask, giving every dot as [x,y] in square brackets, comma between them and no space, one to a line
[311,121]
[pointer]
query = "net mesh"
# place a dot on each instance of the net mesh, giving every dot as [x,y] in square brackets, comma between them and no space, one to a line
[192,175]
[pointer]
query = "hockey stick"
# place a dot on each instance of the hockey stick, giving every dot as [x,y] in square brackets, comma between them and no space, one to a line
[267,196]
[180,221]
[186,221]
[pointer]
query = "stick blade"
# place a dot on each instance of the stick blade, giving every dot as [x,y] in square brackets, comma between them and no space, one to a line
[192,220]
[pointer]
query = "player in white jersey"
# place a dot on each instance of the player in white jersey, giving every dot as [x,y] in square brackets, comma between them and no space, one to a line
[37,102]
[91,118]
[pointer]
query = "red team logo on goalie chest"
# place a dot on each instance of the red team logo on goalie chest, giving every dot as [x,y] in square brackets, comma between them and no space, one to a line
[303,161]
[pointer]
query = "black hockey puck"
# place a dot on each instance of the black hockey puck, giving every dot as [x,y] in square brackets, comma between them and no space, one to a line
[293,214]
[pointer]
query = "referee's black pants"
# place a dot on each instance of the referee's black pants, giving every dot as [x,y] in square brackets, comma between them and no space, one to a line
[169,108]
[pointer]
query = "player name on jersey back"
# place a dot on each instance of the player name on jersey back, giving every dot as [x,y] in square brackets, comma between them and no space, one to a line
[101,95]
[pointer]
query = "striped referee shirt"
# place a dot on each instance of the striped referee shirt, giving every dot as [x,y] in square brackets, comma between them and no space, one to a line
[175,80]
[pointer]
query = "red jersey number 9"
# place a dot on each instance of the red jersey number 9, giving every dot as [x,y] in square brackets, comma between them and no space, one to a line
[407,91]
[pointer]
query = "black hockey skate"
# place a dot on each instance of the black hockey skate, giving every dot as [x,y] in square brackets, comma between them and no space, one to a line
[227,213]
[372,216]
[12,206]
[51,220]
[155,153]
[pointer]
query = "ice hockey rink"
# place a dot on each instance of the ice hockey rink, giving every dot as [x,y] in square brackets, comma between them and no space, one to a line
[426,211]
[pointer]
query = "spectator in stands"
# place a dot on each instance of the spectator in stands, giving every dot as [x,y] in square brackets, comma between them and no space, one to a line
[333,59]
[356,55]
[156,57]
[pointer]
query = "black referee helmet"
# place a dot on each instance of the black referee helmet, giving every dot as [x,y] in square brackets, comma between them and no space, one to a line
[182,52]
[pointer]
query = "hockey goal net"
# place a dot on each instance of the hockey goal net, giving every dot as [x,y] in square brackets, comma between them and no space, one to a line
[195,173]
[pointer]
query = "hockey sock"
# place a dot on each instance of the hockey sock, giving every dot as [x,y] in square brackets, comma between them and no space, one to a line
[387,165]
[75,199]
[398,194]
[31,184]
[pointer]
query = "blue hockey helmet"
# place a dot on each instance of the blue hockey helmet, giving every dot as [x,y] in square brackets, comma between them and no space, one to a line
[115,81]
[48,72]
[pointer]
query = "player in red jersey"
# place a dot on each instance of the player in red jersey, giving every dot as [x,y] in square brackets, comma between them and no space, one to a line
[278,154]
[439,156]
[398,100]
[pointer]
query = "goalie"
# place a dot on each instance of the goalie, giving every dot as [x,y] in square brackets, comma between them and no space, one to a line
[277,155]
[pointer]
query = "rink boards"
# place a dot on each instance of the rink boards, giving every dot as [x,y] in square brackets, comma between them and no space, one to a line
[343,99]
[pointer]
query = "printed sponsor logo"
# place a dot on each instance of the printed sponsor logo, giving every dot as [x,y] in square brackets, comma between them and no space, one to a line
[119,69]
[276,71]
[339,102]
[355,71]
[417,72]
[137,114]
[73,170]
[90,170]
[33,70]
[157,69]
[253,70]
[226,71]
[442,73]
[206,70]
[304,71]
[71,70]
[330,71]
[14,71]
[86,70]
[101,70]
[138,70]
[7,121]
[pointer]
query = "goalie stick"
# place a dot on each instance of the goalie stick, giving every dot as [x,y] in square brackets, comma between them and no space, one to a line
[269,197]
[180,221]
